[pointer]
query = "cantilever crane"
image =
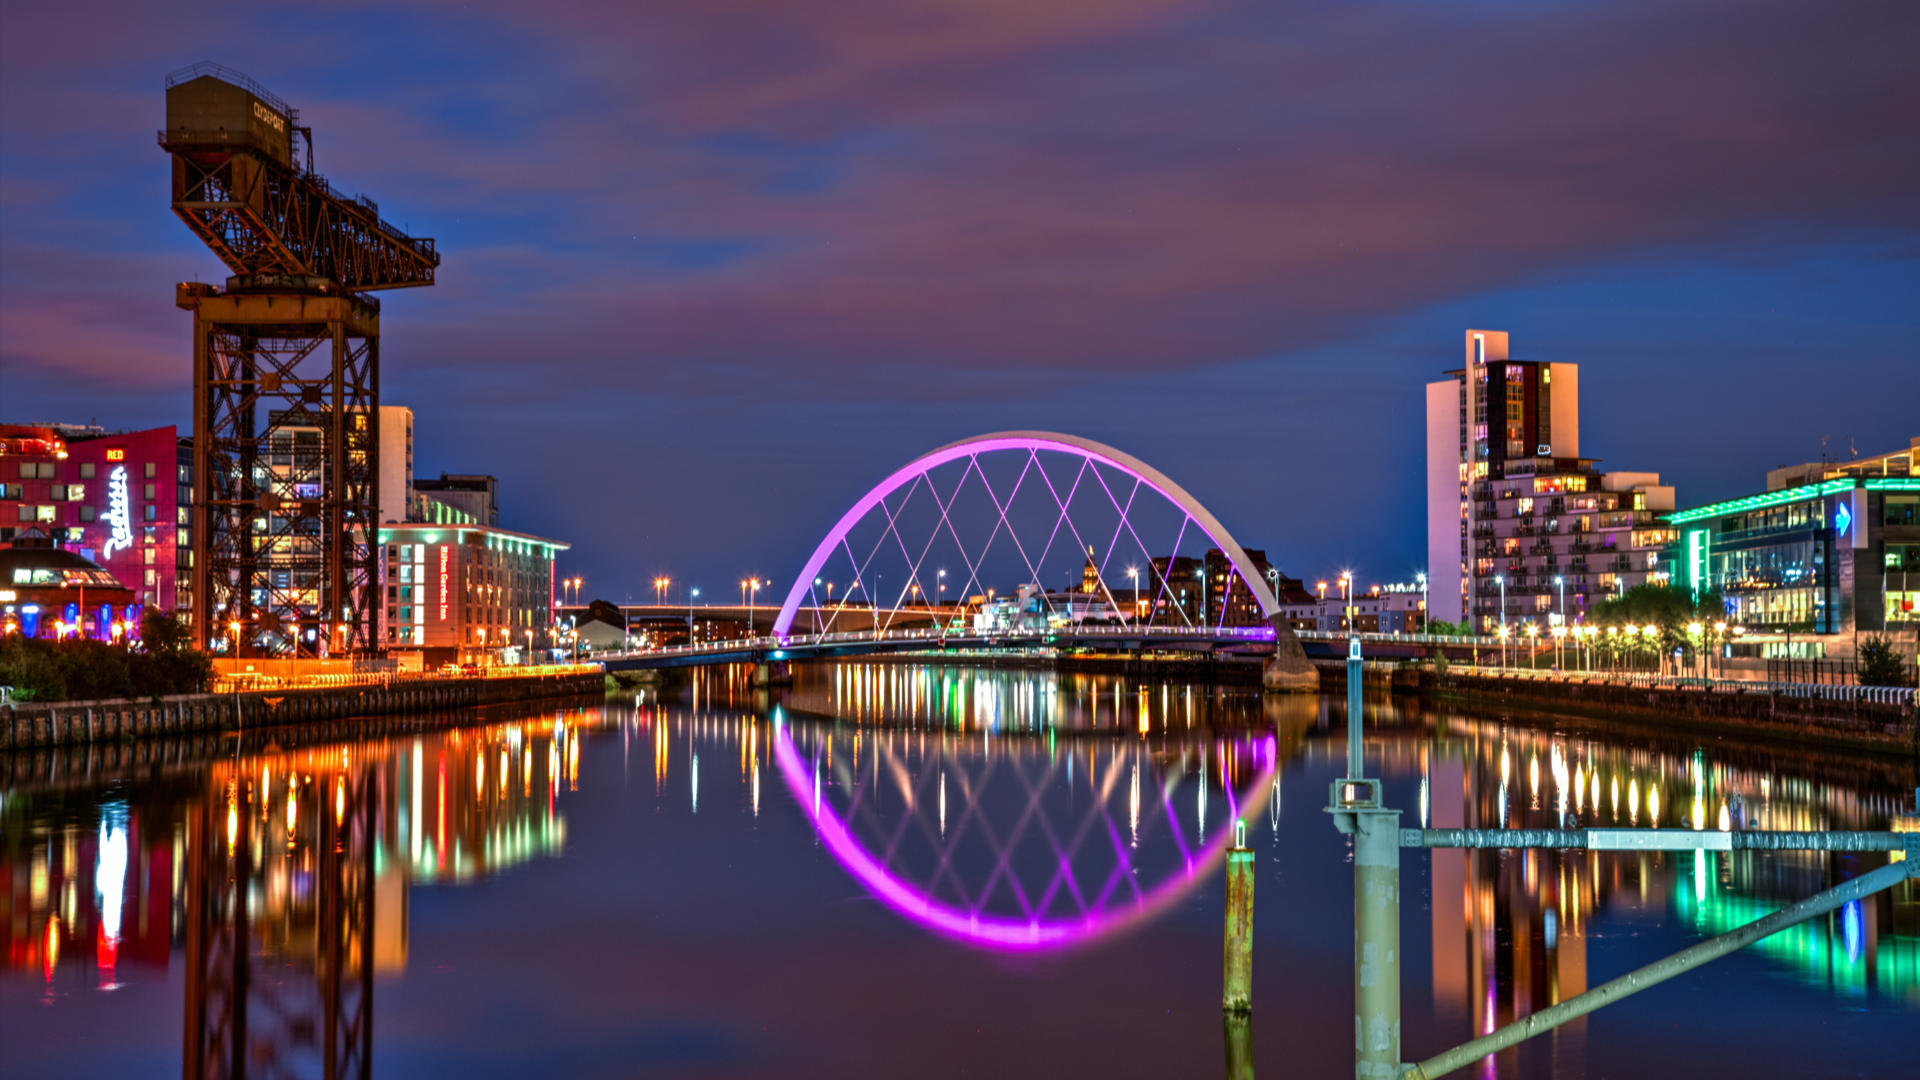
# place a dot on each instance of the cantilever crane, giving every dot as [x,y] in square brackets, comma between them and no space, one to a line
[286,375]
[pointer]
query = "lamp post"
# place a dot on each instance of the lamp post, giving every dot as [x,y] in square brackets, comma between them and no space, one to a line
[1502,579]
[1133,586]
[1533,643]
[529,659]
[1560,580]
[1426,605]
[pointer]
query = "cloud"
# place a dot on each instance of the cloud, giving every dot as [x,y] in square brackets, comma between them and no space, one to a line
[856,187]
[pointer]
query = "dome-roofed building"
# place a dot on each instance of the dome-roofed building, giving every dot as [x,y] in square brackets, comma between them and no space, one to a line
[46,593]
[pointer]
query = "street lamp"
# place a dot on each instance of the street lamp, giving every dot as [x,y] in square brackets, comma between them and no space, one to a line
[1426,607]
[1502,579]
[660,589]
[692,595]
[749,589]
[1502,632]
[1560,580]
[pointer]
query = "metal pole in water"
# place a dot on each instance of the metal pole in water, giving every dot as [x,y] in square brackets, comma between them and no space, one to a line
[1355,758]
[1237,995]
[1376,944]
[1239,1032]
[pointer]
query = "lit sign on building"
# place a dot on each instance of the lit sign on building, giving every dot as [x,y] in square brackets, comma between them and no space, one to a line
[1842,519]
[271,118]
[118,518]
[116,454]
[443,582]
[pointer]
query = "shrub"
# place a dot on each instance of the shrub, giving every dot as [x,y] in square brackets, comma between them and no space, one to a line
[1878,664]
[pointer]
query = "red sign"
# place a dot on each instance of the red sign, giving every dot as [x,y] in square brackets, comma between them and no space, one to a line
[443,582]
[116,454]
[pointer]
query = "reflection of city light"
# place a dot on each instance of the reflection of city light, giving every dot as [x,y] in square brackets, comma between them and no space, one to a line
[233,820]
[1133,805]
[1726,820]
[51,955]
[1653,805]
[1633,801]
[110,886]
[339,800]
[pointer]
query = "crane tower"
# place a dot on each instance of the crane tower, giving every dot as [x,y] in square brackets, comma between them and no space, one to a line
[286,373]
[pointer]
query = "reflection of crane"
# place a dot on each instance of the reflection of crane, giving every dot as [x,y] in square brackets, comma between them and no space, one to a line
[314,1018]
[286,371]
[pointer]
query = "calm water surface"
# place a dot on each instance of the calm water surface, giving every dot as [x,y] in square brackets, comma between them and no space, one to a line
[915,871]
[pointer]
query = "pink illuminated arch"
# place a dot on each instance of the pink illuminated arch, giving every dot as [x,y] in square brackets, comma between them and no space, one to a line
[1030,443]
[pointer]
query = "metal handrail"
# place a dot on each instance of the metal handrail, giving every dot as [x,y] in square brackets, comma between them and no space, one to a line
[237,78]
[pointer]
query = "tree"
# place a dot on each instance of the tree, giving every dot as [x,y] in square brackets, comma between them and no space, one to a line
[1878,664]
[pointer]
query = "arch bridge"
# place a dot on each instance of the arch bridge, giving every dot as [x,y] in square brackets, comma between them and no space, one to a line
[1102,550]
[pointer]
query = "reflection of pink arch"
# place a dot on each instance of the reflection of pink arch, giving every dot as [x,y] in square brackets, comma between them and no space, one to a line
[1028,441]
[996,931]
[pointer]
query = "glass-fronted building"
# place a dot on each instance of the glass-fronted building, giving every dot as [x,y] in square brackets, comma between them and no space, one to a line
[1838,554]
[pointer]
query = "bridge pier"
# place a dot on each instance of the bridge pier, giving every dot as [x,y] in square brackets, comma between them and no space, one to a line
[772,673]
[1289,672]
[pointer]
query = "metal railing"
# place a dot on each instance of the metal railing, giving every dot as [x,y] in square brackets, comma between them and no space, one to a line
[937,636]
[1838,692]
[244,682]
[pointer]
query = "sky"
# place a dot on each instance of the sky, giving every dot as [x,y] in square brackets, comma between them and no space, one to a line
[710,271]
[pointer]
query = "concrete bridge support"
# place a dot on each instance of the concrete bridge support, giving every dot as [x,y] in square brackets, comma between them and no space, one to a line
[1289,672]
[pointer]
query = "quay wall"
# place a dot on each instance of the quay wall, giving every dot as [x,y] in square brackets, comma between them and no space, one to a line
[25,726]
[1807,720]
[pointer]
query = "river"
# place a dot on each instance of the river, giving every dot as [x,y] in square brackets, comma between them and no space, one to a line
[898,870]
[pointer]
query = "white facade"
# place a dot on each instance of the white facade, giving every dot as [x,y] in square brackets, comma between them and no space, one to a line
[396,462]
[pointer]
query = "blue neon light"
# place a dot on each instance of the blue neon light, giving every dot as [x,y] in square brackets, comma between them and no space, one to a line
[1842,519]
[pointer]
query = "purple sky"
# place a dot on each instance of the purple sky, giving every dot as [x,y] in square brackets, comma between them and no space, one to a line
[713,269]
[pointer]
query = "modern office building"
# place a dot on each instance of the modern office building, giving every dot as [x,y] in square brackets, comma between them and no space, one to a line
[474,495]
[1515,515]
[121,499]
[467,593]
[1827,548]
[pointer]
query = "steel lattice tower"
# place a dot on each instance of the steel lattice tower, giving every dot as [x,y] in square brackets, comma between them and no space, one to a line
[286,373]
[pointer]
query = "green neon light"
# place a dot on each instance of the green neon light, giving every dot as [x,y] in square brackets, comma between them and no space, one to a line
[1759,502]
[1888,483]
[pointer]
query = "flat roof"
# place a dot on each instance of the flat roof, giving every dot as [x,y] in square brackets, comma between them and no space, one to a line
[1795,494]
[460,532]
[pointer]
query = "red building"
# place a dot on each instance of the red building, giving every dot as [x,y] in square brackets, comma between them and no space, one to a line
[118,499]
